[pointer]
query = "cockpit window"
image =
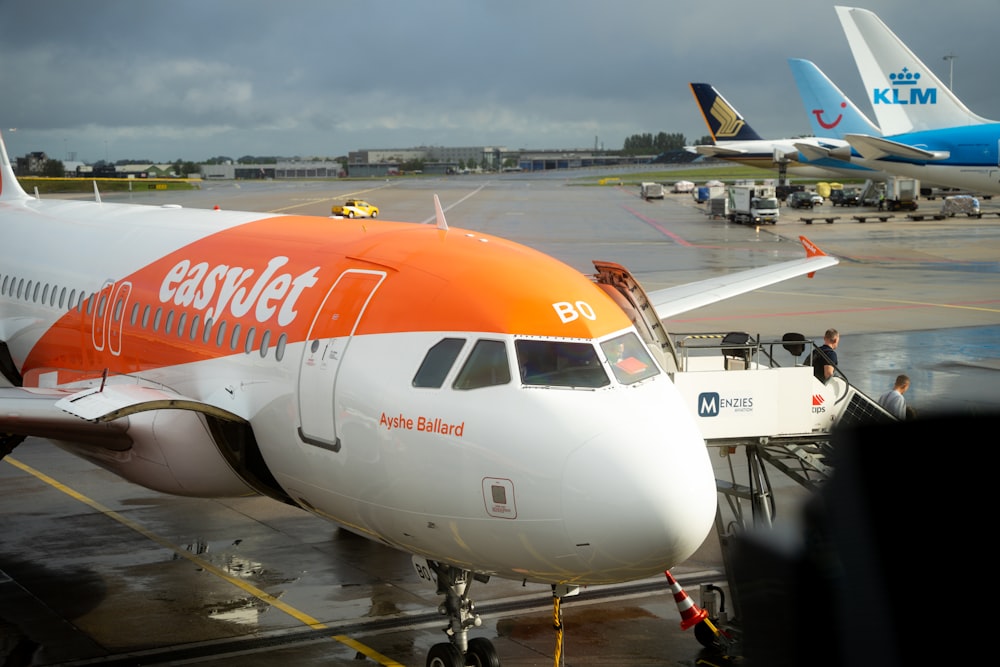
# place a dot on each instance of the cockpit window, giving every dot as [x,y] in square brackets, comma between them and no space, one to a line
[559,364]
[629,358]
[437,362]
[487,366]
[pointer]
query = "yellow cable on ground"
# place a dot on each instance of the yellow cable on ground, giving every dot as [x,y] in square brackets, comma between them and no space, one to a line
[557,624]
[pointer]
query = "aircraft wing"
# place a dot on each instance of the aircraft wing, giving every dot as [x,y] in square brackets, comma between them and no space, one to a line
[33,412]
[876,148]
[717,150]
[94,416]
[672,301]
[812,151]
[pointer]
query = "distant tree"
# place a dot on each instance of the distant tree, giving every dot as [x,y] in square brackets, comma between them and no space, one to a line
[412,165]
[649,144]
[185,169]
[706,140]
[54,169]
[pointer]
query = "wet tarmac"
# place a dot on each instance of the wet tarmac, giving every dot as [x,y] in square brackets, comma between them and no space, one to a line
[94,570]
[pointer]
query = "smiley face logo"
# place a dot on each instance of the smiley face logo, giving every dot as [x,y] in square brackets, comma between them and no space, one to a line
[829,125]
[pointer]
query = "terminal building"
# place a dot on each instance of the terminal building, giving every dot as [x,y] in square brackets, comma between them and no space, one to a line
[382,162]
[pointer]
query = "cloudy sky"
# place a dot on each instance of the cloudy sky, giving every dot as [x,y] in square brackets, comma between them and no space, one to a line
[138,79]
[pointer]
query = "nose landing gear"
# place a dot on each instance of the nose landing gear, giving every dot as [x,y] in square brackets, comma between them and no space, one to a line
[460,651]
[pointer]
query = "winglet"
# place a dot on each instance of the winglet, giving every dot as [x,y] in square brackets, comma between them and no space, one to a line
[10,189]
[97,193]
[812,250]
[442,224]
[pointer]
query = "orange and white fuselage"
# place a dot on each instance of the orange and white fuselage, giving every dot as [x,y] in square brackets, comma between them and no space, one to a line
[378,374]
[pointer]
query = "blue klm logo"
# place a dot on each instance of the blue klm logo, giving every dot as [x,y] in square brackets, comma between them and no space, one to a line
[905,90]
[708,404]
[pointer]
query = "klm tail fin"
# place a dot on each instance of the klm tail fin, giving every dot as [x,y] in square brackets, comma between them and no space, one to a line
[831,113]
[905,94]
[10,189]
[724,122]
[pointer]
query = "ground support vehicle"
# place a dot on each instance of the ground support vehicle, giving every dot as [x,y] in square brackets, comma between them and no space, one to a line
[901,194]
[753,205]
[961,205]
[651,191]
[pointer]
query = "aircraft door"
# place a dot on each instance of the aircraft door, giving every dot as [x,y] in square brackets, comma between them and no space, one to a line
[325,346]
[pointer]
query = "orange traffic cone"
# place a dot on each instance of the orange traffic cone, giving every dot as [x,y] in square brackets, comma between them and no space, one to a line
[691,615]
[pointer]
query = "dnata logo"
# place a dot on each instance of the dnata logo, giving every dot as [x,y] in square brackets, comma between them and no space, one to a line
[905,90]
[708,404]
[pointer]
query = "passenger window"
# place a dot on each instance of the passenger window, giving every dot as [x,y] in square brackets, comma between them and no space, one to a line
[234,338]
[265,342]
[438,362]
[560,364]
[279,349]
[629,358]
[487,366]
[220,335]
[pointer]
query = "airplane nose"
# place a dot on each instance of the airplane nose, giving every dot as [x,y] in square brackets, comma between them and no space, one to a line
[638,502]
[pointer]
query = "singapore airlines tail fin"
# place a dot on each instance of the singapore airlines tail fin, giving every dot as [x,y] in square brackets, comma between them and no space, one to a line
[831,112]
[10,189]
[905,93]
[724,122]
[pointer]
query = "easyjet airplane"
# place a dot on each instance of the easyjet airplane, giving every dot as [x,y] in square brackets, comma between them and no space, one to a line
[451,394]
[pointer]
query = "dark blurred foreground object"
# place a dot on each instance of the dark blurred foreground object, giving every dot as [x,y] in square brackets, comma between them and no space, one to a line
[878,576]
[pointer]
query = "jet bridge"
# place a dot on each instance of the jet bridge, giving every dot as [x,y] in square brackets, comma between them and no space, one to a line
[760,398]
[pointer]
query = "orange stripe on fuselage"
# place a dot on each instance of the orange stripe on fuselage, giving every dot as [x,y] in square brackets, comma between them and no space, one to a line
[273,274]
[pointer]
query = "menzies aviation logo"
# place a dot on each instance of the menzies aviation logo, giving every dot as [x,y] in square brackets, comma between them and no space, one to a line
[711,404]
[905,90]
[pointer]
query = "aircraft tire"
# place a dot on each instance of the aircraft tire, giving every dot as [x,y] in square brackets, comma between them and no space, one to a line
[482,653]
[445,655]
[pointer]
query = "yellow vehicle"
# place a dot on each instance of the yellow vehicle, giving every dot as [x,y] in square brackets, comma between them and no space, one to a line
[355,208]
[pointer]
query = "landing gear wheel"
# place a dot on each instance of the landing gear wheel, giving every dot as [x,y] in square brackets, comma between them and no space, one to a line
[445,655]
[481,653]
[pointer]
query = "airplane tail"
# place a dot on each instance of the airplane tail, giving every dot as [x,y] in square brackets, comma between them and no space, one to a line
[831,112]
[10,189]
[906,95]
[724,122]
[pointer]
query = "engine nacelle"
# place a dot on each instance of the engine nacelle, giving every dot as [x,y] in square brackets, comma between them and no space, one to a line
[173,451]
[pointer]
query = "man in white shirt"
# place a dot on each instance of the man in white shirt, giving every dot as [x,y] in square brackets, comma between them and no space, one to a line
[893,400]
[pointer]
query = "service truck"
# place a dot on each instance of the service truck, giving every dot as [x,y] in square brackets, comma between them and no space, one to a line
[901,194]
[651,191]
[753,204]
